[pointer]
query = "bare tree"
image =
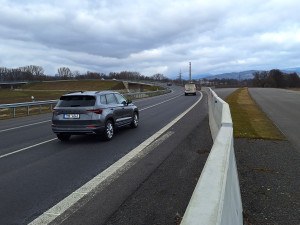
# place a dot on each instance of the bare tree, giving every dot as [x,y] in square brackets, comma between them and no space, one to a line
[64,72]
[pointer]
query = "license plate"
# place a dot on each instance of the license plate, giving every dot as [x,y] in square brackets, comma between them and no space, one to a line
[71,116]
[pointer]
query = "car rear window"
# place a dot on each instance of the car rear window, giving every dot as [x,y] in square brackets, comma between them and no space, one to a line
[76,101]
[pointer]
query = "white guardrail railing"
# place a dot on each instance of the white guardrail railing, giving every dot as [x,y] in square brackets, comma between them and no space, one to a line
[217,199]
[51,102]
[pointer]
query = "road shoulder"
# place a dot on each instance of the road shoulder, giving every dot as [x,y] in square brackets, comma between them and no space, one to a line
[269,181]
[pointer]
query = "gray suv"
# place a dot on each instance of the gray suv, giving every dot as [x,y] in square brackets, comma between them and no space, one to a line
[92,112]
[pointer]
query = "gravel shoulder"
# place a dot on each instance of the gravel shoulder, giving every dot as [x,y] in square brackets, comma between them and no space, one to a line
[269,174]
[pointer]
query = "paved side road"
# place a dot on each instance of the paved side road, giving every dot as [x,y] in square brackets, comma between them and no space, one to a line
[269,171]
[283,108]
[269,174]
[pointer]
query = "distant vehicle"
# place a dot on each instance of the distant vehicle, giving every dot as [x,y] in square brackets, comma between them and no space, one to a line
[92,112]
[169,84]
[190,89]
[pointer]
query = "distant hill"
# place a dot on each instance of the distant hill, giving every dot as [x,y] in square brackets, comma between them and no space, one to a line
[247,74]
[234,75]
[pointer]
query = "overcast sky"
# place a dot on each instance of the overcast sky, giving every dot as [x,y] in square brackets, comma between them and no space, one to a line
[157,36]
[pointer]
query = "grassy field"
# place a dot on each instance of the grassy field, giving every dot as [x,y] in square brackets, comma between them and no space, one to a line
[294,89]
[53,90]
[85,85]
[248,120]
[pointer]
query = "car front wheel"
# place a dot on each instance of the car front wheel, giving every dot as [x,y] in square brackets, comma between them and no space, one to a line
[135,120]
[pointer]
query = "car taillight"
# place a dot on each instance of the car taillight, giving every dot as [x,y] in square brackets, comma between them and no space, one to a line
[195,89]
[96,111]
[185,89]
[55,111]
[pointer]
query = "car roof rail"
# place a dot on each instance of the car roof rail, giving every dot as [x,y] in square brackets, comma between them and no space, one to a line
[76,92]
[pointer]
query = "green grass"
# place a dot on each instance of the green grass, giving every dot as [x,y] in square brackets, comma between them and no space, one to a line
[248,119]
[85,85]
[53,90]
[17,96]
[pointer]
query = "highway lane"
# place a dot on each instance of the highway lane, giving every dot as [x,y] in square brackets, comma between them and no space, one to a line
[283,108]
[35,179]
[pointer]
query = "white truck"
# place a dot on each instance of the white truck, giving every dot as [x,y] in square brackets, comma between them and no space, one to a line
[189,89]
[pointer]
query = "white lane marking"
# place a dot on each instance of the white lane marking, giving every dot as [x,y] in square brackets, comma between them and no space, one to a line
[23,149]
[28,125]
[103,179]
[148,107]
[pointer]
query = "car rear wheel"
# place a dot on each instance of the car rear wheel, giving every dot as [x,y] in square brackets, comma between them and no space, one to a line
[135,120]
[109,130]
[63,137]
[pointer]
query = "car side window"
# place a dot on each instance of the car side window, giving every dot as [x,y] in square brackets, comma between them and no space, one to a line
[111,99]
[120,99]
[103,99]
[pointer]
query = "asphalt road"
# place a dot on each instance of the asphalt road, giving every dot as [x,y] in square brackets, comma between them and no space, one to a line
[37,170]
[283,108]
[224,92]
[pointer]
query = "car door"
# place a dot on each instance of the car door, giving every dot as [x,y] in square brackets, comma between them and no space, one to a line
[126,114]
[115,108]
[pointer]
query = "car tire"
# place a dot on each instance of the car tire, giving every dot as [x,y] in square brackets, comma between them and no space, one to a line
[63,137]
[108,130]
[135,120]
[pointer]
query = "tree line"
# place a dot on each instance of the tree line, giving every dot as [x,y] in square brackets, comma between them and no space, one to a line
[273,78]
[36,73]
[276,78]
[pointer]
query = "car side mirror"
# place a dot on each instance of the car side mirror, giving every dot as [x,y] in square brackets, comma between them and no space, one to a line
[128,102]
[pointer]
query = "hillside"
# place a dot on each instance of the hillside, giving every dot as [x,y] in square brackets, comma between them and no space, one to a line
[247,74]
[234,75]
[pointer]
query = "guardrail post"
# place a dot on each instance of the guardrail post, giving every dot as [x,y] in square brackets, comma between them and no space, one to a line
[14,112]
[40,108]
[28,110]
[51,107]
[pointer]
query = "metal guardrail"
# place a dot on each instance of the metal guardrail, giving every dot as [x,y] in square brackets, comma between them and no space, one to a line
[27,105]
[135,95]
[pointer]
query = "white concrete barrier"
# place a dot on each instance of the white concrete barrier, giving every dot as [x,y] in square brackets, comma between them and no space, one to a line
[217,199]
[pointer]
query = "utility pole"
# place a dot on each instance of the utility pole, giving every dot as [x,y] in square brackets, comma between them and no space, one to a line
[190,72]
[180,76]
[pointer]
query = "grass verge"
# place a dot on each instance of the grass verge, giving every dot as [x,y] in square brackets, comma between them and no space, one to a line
[248,119]
[54,89]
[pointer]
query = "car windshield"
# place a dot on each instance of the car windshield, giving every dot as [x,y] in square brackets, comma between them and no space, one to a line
[76,101]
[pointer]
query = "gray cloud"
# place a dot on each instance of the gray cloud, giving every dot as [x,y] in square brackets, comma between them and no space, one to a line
[150,37]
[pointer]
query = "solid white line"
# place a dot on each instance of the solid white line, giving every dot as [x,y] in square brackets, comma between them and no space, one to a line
[148,107]
[25,126]
[111,173]
[23,149]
